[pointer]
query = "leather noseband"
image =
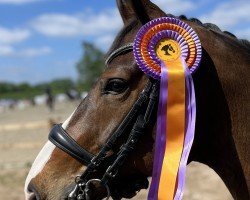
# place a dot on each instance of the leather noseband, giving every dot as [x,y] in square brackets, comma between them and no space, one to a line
[59,137]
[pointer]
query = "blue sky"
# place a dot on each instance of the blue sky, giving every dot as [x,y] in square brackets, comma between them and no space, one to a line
[41,39]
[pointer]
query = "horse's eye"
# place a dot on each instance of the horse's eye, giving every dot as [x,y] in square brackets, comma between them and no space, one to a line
[115,86]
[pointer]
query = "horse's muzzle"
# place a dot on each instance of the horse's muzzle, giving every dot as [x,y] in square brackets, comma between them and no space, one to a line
[33,194]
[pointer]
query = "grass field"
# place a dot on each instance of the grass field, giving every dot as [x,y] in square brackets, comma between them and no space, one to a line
[24,132]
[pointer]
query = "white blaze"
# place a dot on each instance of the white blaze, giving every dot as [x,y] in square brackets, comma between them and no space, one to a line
[41,160]
[39,164]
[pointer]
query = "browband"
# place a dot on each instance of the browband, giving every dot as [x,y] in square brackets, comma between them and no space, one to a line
[59,137]
[123,49]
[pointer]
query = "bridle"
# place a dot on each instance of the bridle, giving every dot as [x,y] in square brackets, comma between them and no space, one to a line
[139,118]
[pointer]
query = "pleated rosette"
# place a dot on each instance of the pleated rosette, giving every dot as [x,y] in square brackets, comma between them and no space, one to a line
[169,50]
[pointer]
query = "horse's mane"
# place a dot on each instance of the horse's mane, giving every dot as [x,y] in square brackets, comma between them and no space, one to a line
[245,43]
[214,27]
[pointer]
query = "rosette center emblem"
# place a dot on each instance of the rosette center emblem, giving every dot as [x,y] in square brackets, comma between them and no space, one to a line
[168,50]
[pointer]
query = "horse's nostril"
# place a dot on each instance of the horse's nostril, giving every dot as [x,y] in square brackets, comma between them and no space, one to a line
[32,193]
[32,196]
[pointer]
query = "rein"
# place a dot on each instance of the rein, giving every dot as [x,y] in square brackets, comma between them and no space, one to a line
[138,118]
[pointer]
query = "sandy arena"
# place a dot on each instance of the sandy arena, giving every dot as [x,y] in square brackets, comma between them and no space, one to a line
[24,132]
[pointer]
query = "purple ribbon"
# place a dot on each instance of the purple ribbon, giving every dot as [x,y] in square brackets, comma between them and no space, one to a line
[160,142]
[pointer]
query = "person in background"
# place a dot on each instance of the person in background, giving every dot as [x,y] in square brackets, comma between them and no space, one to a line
[50,99]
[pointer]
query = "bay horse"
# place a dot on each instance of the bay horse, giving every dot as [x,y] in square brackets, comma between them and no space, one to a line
[222,128]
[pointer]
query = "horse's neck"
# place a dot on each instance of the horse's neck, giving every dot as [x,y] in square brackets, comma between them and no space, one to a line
[221,130]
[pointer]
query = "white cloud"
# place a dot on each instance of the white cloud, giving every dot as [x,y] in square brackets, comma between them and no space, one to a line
[27,52]
[229,14]
[6,50]
[33,52]
[105,41]
[175,7]
[10,36]
[57,25]
[17,2]
[88,24]
[244,33]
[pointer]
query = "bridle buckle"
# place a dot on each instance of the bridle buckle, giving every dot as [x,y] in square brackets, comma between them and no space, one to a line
[81,190]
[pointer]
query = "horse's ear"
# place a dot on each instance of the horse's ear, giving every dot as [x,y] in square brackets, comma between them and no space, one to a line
[144,10]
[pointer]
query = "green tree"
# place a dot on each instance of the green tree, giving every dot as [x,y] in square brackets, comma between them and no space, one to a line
[90,65]
[7,87]
[23,87]
[61,85]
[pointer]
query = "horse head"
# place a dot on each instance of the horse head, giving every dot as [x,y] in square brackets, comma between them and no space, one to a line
[167,48]
[109,101]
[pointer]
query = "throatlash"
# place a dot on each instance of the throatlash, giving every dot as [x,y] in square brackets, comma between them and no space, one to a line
[169,50]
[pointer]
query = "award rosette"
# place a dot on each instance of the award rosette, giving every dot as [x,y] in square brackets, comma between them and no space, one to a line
[169,50]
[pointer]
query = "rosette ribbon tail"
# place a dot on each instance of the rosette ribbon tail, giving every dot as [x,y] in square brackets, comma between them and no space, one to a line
[175,130]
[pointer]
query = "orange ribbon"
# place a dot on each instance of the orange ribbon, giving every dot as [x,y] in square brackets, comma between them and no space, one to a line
[175,133]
